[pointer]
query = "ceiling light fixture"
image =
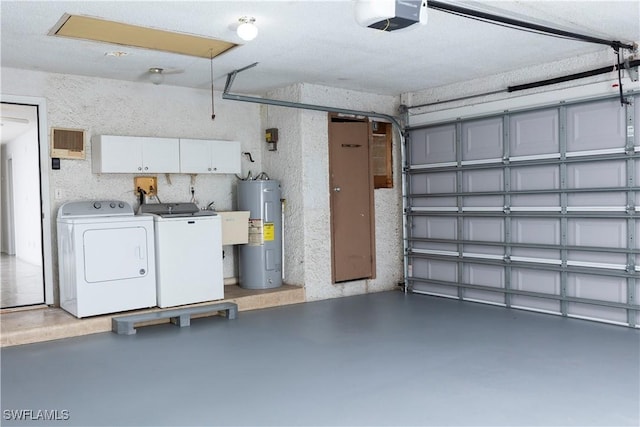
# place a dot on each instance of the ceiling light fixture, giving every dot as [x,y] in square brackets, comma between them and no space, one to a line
[155,75]
[247,29]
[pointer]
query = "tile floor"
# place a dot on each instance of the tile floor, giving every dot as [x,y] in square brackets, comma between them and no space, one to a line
[21,283]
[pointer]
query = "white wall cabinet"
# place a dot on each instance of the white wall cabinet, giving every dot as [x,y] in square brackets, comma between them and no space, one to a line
[133,154]
[209,156]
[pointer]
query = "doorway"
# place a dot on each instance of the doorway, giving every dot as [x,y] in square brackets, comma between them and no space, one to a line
[24,251]
[351,198]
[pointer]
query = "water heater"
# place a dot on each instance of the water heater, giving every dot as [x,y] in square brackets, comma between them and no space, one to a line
[261,258]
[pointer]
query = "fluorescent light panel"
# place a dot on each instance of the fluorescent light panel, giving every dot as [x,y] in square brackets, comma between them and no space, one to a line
[83,27]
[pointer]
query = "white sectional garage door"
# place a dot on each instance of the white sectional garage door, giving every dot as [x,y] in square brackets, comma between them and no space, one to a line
[535,210]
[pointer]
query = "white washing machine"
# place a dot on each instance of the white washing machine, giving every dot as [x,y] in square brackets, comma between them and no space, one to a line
[105,257]
[188,253]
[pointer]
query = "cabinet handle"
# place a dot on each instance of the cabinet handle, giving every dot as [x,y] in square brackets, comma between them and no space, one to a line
[209,169]
[146,168]
[215,169]
[139,168]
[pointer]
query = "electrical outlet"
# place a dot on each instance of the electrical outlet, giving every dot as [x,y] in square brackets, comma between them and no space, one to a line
[149,184]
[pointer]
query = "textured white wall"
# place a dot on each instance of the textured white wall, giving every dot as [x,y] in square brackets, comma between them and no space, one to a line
[285,165]
[102,106]
[302,164]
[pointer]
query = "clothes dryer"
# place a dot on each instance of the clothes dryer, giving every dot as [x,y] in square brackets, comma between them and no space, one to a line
[106,258]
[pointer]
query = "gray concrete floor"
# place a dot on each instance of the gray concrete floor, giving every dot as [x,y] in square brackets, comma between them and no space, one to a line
[378,359]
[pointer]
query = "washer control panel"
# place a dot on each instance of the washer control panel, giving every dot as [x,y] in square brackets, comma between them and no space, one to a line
[95,208]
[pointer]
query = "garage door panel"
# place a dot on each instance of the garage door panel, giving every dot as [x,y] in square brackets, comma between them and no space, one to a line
[483,201]
[613,289]
[420,247]
[419,226]
[596,126]
[435,269]
[484,296]
[547,256]
[483,180]
[486,275]
[611,200]
[596,174]
[434,202]
[482,139]
[435,289]
[435,227]
[484,229]
[536,230]
[434,183]
[548,202]
[597,232]
[436,145]
[541,281]
[534,303]
[595,312]
[483,251]
[418,183]
[535,178]
[604,259]
[534,133]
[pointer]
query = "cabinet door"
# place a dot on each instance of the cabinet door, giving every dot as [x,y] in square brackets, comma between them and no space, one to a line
[160,155]
[226,156]
[195,156]
[116,154]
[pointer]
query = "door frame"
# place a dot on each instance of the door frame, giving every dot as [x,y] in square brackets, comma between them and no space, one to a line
[372,215]
[11,233]
[45,204]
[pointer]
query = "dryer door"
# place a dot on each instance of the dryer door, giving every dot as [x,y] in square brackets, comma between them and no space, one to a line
[115,254]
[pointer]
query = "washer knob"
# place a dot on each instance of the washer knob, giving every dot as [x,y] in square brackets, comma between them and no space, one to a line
[97,205]
[112,204]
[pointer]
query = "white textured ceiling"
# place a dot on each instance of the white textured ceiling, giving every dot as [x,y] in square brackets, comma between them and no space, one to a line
[312,41]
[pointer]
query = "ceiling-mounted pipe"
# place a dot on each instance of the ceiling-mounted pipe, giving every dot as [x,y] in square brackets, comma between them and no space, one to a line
[529,26]
[290,104]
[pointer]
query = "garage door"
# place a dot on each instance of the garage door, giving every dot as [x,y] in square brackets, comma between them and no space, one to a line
[535,210]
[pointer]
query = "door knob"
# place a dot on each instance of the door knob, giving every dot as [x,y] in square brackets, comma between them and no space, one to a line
[336,189]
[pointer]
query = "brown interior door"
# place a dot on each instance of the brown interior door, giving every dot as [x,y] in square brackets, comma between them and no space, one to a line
[351,188]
